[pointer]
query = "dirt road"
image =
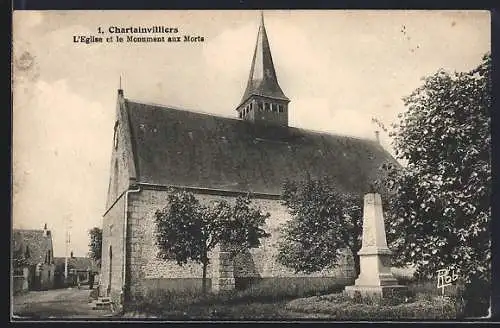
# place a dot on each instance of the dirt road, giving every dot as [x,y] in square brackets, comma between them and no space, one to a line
[57,303]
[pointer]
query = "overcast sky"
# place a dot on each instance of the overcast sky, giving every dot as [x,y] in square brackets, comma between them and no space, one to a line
[339,68]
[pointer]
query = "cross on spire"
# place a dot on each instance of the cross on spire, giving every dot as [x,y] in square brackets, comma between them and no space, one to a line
[120,90]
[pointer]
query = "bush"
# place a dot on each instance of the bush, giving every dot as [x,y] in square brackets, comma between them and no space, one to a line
[341,307]
[475,297]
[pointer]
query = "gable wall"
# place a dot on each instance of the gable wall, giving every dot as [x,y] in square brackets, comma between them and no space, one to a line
[121,166]
[146,272]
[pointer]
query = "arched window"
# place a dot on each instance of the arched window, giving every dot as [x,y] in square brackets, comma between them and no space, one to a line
[110,276]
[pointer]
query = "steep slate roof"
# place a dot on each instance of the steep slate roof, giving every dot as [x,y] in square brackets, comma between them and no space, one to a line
[36,242]
[262,79]
[178,147]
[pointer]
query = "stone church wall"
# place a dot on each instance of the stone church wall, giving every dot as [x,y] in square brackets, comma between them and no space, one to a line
[112,242]
[147,273]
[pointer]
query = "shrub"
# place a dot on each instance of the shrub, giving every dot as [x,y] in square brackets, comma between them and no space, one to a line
[341,307]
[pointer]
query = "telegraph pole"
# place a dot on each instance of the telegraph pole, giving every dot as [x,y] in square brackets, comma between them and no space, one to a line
[68,241]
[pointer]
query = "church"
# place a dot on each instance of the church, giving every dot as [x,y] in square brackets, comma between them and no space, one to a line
[158,147]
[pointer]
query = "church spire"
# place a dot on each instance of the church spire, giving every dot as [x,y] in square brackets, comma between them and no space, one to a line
[263,90]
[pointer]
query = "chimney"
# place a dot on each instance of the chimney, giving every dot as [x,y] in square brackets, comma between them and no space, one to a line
[45,231]
[377,136]
[71,254]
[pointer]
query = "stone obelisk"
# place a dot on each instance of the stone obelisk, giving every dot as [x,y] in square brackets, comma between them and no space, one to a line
[375,277]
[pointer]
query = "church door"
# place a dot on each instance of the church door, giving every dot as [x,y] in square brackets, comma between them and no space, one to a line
[110,268]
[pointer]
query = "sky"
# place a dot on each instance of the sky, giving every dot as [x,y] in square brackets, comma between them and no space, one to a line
[339,68]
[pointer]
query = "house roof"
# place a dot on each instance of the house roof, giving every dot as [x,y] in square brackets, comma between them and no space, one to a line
[78,263]
[178,147]
[35,240]
[262,79]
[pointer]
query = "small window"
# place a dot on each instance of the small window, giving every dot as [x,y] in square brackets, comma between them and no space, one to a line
[280,108]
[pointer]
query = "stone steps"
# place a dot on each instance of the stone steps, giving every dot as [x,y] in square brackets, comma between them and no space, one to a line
[102,303]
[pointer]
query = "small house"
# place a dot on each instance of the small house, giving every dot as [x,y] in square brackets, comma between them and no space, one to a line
[33,259]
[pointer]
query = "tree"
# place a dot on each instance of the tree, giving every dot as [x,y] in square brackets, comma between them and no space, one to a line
[95,245]
[20,258]
[324,222]
[440,206]
[188,230]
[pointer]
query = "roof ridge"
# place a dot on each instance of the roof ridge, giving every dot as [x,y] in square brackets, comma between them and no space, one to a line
[137,101]
[336,134]
[19,230]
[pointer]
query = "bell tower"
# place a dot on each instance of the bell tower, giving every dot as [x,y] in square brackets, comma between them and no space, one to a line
[263,100]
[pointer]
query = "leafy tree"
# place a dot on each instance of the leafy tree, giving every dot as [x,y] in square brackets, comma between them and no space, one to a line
[95,245]
[188,230]
[440,204]
[20,258]
[324,222]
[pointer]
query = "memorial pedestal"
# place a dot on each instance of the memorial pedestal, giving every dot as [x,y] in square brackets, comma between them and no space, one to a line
[375,277]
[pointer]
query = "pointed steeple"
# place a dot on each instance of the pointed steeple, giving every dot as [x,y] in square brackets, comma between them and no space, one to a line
[262,80]
[262,86]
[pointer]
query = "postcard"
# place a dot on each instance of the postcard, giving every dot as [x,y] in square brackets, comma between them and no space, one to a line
[212,165]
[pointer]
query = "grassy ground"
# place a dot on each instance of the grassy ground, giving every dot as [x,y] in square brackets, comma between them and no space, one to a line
[408,306]
[264,301]
[276,300]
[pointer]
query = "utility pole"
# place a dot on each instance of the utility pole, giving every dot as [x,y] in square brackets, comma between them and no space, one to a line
[68,241]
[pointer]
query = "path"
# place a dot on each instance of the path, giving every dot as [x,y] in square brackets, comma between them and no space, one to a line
[71,303]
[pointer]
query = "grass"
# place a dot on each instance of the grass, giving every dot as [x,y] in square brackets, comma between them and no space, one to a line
[263,301]
[341,307]
[280,299]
